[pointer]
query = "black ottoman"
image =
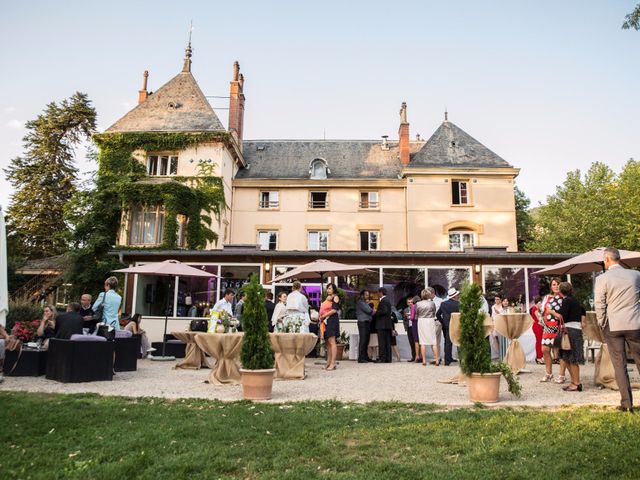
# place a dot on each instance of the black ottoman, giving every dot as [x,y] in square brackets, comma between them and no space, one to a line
[31,362]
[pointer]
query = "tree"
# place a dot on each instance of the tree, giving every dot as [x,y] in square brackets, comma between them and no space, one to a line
[524,222]
[44,178]
[633,19]
[256,353]
[601,209]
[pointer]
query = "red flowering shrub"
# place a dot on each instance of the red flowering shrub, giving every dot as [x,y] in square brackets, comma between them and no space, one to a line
[25,331]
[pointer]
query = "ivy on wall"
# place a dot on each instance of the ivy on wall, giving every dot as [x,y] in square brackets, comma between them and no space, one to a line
[118,187]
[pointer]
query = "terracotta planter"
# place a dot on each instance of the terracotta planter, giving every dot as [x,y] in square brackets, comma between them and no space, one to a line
[257,384]
[339,351]
[484,387]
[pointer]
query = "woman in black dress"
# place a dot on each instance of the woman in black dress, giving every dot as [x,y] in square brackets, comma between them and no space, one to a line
[571,313]
[329,315]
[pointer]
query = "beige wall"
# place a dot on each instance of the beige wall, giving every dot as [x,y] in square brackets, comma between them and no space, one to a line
[343,219]
[491,214]
[424,205]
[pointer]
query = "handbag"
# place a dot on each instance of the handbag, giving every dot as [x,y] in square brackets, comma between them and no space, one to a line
[106,331]
[99,311]
[198,325]
[562,340]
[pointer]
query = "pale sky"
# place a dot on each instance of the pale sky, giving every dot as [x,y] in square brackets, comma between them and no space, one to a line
[549,86]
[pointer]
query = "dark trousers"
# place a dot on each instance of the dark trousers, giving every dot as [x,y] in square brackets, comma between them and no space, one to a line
[315,329]
[448,357]
[412,341]
[384,345]
[364,329]
[616,342]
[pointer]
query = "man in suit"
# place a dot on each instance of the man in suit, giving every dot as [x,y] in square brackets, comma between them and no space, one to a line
[269,307]
[69,323]
[443,314]
[384,325]
[364,314]
[617,303]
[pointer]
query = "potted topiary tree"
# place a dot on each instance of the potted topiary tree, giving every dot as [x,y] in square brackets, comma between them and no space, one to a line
[257,355]
[475,354]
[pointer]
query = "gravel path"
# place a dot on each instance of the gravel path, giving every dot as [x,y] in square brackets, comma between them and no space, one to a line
[351,382]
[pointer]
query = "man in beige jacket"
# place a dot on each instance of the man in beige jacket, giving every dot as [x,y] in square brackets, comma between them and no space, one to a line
[617,302]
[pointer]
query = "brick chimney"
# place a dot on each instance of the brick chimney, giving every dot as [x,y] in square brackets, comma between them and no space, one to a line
[403,135]
[236,103]
[143,94]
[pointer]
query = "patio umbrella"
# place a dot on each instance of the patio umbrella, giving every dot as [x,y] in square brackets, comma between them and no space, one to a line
[4,286]
[168,268]
[589,262]
[319,268]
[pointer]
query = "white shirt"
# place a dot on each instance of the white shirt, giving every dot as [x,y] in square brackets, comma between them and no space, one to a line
[223,304]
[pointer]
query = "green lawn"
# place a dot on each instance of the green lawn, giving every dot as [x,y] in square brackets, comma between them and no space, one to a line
[87,436]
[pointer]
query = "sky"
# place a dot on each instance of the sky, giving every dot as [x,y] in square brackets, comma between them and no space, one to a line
[549,86]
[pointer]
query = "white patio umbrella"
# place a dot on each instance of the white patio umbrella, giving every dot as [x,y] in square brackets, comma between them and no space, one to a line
[319,268]
[588,262]
[4,285]
[168,268]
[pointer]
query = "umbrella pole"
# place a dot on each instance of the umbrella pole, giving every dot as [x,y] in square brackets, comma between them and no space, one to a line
[164,358]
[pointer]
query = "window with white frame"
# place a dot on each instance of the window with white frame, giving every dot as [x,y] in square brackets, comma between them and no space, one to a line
[459,192]
[268,239]
[162,165]
[269,199]
[369,240]
[369,200]
[461,239]
[318,200]
[318,240]
[147,225]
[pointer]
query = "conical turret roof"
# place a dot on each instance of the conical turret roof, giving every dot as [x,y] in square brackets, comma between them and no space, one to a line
[178,106]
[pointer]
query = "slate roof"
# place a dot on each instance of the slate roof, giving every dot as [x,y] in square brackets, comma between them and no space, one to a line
[450,146]
[178,106]
[346,159]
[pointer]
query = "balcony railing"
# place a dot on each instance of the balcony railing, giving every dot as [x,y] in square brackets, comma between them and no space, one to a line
[368,204]
[269,204]
[317,204]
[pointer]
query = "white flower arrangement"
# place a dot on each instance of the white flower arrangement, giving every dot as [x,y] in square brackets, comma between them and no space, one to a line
[291,323]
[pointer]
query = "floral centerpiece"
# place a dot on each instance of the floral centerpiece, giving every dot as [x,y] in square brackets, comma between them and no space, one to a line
[222,322]
[25,331]
[291,323]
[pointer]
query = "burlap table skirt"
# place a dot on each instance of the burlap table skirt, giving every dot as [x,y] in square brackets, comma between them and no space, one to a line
[290,350]
[225,348]
[454,335]
[603,374]
[512,326]
[194,357]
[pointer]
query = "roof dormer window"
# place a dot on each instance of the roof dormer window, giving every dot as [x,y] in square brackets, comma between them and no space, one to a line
[318,169]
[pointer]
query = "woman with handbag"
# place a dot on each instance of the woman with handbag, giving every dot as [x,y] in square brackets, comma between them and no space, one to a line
[107,305]
[569,339]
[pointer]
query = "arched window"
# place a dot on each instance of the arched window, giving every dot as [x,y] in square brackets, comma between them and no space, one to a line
[318,169]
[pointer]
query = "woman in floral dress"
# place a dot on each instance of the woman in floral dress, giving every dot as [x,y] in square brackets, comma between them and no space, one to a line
[551,302]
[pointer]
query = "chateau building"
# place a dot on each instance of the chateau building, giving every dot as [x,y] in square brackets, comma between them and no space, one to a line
[437,208]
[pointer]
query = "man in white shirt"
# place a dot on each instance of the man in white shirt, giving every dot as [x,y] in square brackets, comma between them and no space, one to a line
[617,302]
[225,303]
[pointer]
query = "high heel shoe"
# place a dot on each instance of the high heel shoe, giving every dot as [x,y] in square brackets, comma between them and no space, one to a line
[437,364]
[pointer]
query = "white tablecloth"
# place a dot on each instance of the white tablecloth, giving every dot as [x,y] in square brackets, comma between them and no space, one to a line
[527,341]
[403,345]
